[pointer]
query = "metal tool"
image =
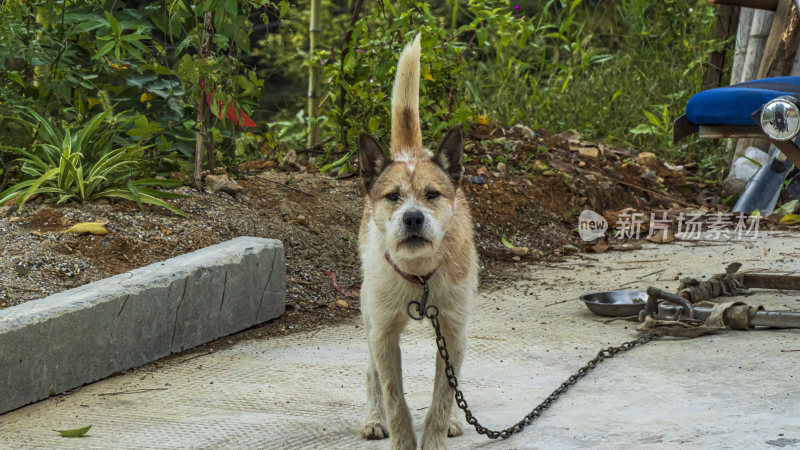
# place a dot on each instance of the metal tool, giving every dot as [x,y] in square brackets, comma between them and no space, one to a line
[664,305]
[771,281]
[773,319]
[763,189]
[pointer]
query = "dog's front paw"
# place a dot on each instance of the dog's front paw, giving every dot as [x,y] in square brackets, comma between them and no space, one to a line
[454,428]
[433,442]
[374,429]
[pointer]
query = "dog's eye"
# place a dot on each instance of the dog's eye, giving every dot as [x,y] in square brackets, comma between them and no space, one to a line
[432,195]
[393,196]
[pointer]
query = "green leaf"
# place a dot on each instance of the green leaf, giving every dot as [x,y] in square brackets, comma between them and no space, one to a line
[652,118]
[642,129]
[374,122]
[326,168]
[15,77]
[169,184]
[505,242]
[285,7]
[33,189]
[88,25]
[113,23]
[14,191]
[77,432]
[482,34]
[145,198]
[788,208]
[105,48]
[349,62]
[135,195]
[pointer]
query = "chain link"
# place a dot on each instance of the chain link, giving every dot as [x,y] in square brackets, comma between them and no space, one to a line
[433,313]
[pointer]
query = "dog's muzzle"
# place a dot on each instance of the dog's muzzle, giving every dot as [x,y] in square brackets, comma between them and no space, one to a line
[413,223]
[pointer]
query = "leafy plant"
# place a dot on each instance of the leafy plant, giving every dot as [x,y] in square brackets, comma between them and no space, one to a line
[660,128]
[69,60]
[64,167]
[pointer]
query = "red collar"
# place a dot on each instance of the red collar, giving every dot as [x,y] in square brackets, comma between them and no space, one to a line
[416,279]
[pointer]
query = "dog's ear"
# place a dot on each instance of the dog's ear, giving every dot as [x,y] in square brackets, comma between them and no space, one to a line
[448,155]
[372,159]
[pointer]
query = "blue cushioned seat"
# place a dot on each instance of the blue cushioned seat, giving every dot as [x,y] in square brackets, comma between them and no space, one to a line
[733,105]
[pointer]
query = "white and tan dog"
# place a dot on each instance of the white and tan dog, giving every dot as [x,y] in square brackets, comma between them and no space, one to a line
[416,224]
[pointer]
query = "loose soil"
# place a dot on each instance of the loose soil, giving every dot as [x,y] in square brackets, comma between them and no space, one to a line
[525,188]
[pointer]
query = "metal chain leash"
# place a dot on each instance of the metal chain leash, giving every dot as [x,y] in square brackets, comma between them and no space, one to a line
[432,312]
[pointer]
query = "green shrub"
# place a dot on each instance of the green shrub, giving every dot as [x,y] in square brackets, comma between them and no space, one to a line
[69,60]
[80,163]
[614,71]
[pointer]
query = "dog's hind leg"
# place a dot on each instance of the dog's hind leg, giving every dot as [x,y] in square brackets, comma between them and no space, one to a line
[374,426]
[440,421]
[384,343]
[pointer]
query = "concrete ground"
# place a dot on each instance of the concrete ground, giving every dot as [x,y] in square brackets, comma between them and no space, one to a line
[732,390]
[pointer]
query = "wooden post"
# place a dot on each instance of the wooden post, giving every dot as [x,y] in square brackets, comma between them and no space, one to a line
[726,23]
[742,33]
[781,45]
[759,31]
[756,41]
[314,75]
[739,51]
[205,52]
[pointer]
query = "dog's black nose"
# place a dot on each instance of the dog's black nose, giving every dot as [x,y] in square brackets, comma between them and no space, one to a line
[413,221]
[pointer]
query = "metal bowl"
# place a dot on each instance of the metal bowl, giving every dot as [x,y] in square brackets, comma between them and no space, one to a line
[616,303]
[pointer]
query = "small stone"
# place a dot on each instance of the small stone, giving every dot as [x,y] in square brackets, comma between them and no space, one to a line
[662,236]
[342,303]
[289,162]
[569,134]
[501,166]
[516,258]
[297,220]
[519,251]
[474,179]
[224,183]
[179,176]
[482,171]
[652,177]
[520,131]
[540,166]
[469,147]
[589,152]
[581,164]
[501,141]
[570,249]
[648,159]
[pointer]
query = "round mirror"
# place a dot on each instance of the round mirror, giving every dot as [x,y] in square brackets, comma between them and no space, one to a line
[780,119]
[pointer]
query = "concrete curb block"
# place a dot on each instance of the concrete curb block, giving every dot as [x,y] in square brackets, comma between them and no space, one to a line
[75,337]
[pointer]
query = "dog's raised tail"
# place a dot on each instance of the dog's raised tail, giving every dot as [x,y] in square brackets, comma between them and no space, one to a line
[406,134]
